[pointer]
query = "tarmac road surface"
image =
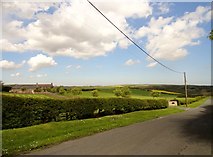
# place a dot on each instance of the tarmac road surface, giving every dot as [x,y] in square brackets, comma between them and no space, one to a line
[187,133]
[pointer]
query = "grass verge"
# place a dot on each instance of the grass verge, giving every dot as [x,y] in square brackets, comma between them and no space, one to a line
[17,141]
[198,103]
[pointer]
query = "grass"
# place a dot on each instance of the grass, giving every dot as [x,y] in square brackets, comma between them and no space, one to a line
[198,103]
[40,96]
[107,92]
[16,141]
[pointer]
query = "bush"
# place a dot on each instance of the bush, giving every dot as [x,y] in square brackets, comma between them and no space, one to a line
[61,90]
[190,100]
[38,89]
[155,94]
[76,91]
[94,93]
[122,91]
[5,88]
[21,112]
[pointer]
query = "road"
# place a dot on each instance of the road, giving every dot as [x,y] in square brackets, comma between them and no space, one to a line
[186,133]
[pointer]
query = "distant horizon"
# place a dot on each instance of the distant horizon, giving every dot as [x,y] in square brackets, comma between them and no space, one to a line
[106,85]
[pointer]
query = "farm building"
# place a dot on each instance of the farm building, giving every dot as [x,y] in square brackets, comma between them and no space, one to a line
[173,103]
[29,88]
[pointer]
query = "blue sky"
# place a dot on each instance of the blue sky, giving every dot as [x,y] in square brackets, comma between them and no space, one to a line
[71,44]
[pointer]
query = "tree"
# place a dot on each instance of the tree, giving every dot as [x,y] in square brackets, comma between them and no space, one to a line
[76,91]
[155,94]
[6,88]
[61,90]
[211,35]
[122,91]
[117,91]
[53,90]
[125,92]
[38,89]
[95,93]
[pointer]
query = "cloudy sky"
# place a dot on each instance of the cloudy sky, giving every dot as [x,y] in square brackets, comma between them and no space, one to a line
[70,43]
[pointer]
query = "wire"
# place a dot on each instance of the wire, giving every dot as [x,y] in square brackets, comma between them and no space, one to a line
[132,40]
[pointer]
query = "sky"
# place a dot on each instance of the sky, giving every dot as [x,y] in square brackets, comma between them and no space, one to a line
[70,43]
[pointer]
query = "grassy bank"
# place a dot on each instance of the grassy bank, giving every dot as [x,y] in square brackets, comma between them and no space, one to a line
[16,141]
[198,103]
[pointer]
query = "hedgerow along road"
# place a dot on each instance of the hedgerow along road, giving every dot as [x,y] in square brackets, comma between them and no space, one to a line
[186,133]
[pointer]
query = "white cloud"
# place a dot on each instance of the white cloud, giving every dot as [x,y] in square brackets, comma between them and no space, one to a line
[168,37]
[72,66]
[153,64]
[163,7]
[68,66]
[40,61]
[15,75]
[38,76]
[80,31]
[24,10]
[4,64]
[78,67]
[132,62]
[41,75]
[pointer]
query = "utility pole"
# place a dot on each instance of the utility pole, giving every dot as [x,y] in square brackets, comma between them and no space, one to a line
[186,101]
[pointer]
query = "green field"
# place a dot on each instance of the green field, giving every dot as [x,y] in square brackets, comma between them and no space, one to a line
[103,92]
[40,96]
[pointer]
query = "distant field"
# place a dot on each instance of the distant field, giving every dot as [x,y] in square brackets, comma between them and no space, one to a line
[103,92]
[166,92]
[40,96]
[106,92]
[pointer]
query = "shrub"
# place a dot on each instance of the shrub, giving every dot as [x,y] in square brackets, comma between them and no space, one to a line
[21,111]
[117,92]
[38,89]
[189,100]
[94,93]
[5,88]
[76,91]
[122,91]
[61,90]
[155,94]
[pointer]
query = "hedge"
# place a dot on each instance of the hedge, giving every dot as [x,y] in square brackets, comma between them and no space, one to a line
[20,112]
[190,100]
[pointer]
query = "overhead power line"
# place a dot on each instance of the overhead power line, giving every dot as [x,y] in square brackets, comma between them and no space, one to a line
[132,40]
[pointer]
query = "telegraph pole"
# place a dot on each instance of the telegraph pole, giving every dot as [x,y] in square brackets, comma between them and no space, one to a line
[186,101]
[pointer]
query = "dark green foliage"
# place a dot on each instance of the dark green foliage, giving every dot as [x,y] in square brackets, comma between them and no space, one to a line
[38,89]
[155,94]
[5,88]
[189,100]
[61,90]
[193,90]
[211,35]
[21,112]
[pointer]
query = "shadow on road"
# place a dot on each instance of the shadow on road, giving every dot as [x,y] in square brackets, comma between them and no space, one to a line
[200,127]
